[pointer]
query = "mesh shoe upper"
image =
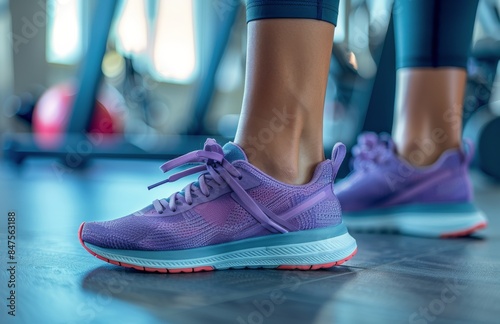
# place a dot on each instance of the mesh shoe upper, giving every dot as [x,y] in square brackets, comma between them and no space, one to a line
[223,215]
[381,179]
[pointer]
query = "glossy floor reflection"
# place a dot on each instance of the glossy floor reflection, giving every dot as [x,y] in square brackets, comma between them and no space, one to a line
[392,279]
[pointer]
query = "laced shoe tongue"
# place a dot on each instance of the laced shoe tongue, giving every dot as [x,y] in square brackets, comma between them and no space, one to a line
[232,152]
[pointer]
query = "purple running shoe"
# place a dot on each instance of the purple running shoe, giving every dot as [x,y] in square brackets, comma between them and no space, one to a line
[234,216]
[386,193]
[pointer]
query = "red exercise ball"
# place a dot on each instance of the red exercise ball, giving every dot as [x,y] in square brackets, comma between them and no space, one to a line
[52,112]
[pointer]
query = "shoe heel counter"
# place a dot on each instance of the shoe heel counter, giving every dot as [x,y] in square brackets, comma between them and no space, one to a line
[456,187]
[325,213]
[338,207]
[467,156]
[329,211]
[469,189]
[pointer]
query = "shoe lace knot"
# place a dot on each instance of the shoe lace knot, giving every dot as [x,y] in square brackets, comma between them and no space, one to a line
[371,150]
[211,160]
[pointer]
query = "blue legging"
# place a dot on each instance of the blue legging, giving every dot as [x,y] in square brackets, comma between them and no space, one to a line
[429,33]
[326,10]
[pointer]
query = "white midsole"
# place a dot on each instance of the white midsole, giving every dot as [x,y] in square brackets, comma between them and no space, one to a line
[310,253]
[434,224]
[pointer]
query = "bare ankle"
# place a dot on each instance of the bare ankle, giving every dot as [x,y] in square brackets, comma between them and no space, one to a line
[286,174]
[424,152]
[287,168]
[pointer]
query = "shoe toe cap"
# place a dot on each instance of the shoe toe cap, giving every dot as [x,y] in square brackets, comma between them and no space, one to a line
[102,235]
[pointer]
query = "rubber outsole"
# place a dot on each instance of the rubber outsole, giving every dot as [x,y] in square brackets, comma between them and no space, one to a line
[465,232]
[210,268]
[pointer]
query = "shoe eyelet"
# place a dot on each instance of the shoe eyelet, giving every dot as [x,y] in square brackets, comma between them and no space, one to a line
[240,177]
[161,212]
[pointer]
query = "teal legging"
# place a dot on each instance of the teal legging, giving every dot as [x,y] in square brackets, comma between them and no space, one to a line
[326,10]
[429,33]
[433,33]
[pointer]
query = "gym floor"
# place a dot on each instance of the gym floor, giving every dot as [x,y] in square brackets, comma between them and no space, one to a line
[392,279]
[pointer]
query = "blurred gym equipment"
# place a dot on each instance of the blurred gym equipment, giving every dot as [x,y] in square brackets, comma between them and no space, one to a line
[78,121]
[79,116]
[481,116]
[483,128]
[6,77]
[364,92]
[53,110]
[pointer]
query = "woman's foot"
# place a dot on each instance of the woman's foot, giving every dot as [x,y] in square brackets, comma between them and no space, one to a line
[234,216]
[386,193]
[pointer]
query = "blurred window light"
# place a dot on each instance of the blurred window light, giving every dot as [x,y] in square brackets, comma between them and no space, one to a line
[174,52]
[64,31]
[132,30]
[340,30]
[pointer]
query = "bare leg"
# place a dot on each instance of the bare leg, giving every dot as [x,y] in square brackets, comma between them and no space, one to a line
[433,39]
[281,125]
[428,112]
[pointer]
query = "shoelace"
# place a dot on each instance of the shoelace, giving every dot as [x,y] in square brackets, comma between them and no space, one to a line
[220,171]
[371,149]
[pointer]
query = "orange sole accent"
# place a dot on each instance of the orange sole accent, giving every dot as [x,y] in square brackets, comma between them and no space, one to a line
[316,266]
[140,268]
[464,232]
[205,268]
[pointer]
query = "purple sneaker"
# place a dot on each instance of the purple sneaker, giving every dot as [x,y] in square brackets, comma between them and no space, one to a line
[234,216]
[386,193]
